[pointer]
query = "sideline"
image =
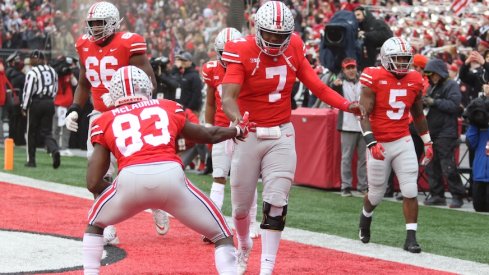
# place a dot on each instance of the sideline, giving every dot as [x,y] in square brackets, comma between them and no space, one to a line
[426,260]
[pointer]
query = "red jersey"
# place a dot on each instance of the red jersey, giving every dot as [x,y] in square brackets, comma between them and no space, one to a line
[102,62]
[142,132]
[267,81]
[213,74]
[393,100]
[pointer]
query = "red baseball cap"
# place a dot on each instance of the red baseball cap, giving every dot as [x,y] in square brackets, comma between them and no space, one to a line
[348,62]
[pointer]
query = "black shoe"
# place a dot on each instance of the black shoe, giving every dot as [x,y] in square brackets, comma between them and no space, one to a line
[346,192]
[435,200]
[364,228]
[56,159]
[456,202]
[411,244]
[399,196]
[30,164]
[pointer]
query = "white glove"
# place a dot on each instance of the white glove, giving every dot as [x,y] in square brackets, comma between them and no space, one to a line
[107,100]
[71,122]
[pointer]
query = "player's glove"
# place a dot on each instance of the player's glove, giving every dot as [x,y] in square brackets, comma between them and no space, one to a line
[428,149]
[376,149]
[357,109]
[242,129]
[107,100]
[71,120]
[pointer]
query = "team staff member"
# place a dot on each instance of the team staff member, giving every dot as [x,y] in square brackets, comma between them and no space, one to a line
[40,88]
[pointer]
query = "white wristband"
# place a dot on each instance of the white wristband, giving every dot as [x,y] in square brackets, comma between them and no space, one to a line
[238,131]
[207,125]
[426,138]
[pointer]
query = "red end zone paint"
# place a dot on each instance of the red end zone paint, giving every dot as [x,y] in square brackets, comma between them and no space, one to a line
[180,251]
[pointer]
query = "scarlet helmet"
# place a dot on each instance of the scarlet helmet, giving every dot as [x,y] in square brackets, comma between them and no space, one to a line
[130,84]
[274,17]
[396,55]
[108,14]
[224,36]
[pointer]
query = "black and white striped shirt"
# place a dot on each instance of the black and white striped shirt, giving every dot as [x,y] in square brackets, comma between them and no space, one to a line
[40,82]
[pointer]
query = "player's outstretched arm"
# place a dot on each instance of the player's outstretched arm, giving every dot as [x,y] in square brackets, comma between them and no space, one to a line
[214,134]
[309,77]
[97,167]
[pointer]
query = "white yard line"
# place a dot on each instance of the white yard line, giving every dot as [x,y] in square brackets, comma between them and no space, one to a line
[426,260]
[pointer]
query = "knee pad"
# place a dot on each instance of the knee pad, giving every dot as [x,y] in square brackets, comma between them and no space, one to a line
[273,223]
[376,192]
[409,190]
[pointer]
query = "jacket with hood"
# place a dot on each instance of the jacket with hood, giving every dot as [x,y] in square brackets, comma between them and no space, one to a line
[442,116]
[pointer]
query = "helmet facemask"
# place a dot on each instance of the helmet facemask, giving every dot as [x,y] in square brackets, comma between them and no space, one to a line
[398,64]
[270,48]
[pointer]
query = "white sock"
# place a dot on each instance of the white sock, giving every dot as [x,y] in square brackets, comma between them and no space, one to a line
[225,258]
[412,226]
[243,231]
[253,209]
[367,214]
[270,243]
[93,247]
[217,194]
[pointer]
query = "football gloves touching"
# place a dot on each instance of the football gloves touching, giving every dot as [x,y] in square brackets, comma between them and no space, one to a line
[244,126]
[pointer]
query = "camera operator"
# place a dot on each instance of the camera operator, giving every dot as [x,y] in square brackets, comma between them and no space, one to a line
[166,84]
[63,100]
[477,114]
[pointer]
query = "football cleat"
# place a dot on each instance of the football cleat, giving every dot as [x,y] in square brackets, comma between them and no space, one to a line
[411,244]
[364,228]
[243,257]
[162,222]
[110,235]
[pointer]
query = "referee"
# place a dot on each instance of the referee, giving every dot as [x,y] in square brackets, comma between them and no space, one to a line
[40,88]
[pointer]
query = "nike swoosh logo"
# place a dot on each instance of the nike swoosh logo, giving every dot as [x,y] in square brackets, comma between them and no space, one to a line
[160,227]
[410,84]
[111,50]
[288,135]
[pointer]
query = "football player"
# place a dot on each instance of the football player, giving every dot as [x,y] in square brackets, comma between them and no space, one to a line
[213,74]
[261,71]
[102,51]
[389,93]
[141,132]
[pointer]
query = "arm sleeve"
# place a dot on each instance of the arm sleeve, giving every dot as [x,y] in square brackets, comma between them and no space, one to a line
[97,133]
[307,76]
[137,44]
[235,73]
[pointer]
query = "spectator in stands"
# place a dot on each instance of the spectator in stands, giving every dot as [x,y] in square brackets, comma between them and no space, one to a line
[17,122]
[347,85]
[443,100]
[478,139]
[3,96]
[474,72]
[372,34]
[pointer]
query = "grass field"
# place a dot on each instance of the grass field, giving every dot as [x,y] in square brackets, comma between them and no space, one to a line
[444,232]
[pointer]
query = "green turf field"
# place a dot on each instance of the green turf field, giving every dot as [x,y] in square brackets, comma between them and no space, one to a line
[441,231]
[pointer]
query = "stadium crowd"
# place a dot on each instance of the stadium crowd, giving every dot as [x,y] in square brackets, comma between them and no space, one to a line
[172,28]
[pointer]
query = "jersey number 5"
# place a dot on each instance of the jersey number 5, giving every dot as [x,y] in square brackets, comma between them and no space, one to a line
[129,139]
[394,103]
